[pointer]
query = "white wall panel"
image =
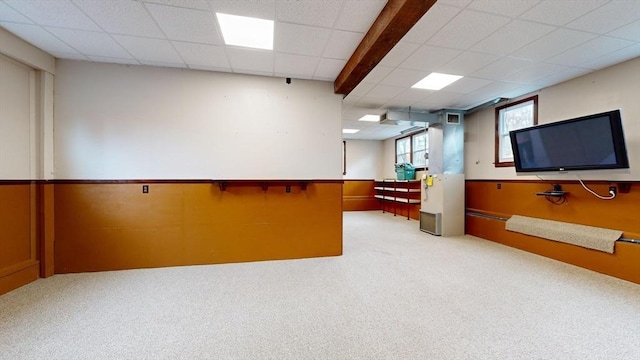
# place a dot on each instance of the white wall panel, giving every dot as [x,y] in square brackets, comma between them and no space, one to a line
[138,122]
[364,159]
[17,115]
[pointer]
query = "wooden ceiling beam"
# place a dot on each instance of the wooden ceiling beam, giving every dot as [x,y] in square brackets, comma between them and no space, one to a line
[394,21]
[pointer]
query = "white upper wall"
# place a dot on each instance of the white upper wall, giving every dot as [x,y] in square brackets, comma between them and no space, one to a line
[26,109]
[616,87]
[138,122]
[364,159]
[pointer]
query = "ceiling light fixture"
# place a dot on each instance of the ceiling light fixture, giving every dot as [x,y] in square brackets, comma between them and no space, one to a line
[350,131]
[373,118]
[436,81]
[246,31]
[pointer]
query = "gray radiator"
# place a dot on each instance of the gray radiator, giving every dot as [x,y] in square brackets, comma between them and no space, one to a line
[431,223]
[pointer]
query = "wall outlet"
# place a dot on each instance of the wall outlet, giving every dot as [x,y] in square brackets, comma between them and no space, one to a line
[613,190]
[145,189]
[288,188]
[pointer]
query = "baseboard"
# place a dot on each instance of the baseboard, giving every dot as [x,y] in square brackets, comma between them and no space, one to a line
[623,264]
[360,203]
[19,275]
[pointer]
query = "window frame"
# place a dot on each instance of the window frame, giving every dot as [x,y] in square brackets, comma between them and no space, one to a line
[498,135]
[410,136]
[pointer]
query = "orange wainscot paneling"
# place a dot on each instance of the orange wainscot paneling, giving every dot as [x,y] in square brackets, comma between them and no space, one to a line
[18,256]
[102,226]
[519,197]
[358,195]
[581,207]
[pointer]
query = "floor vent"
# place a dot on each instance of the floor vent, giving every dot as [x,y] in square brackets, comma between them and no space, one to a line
[430,223]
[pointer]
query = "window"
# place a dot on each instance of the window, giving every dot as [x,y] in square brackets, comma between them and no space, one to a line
[412,148]
[403,150]
[418,149]
[514,116]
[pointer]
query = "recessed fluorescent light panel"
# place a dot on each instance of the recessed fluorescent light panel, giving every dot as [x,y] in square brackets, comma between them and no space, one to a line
[349,131]
[375,118]
[436,81]
[246,31]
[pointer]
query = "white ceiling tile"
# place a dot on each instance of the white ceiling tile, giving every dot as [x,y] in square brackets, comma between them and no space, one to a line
[457,3]
[628,32]
[209,68]
[467,29]
[186,24]
[371,102]
[91,43]
[568,73]
[429,58]
[61,13]
[608,17]
[309,12]
[8,14]
[377,74]
[439,100]
[358,15]
[162,64]
[552,44]
[492,91]
[329,68]
[503,7]
[404,77]
[300,39]
[556,12]
[351,100]
[414,95]
[320,78]
[342,44]
[114,60]
[295,65]
[70,56]
[261,9]
[467,85]
[614,57]
[400,102]
[253,72]
[123,17]
[589,51]
[466,63]
[39,37]
[202,55]
[534,73]
[512,37]
[501,68]
[144,49]
[189,4]
[360,90]
[437,17]
[399,53]
[251,59]
[384,92]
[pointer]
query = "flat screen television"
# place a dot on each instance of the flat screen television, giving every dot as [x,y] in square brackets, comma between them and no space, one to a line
[593,142]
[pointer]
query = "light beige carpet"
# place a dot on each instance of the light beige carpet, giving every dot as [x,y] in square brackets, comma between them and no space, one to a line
[396,293]
[586,236]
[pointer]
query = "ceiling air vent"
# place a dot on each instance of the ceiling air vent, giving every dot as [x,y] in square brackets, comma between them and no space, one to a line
[385,121]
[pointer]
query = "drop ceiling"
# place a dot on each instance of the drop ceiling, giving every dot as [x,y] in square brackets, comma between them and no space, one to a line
[503,48]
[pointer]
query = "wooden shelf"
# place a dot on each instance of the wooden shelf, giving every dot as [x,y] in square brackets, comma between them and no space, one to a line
[398,192]
[398,199]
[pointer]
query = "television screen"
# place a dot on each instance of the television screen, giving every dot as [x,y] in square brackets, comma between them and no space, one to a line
[591,142]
